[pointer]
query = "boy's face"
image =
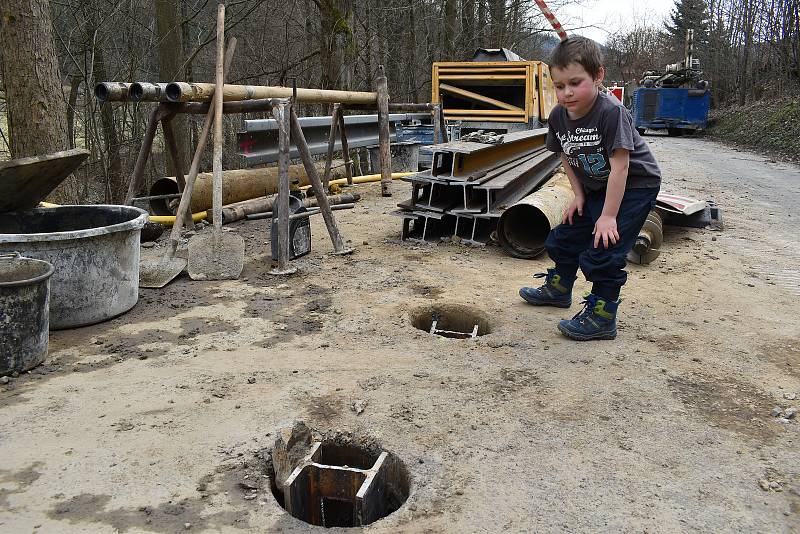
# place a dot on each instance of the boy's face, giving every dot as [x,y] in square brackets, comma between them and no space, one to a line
[575,88]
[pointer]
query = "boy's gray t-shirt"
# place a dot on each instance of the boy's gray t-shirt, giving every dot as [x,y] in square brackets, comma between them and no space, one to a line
[589,141]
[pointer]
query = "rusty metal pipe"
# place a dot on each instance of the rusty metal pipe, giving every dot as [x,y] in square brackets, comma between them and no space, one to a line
[202,92]
[148,92]
[523,228]
[238,185]
[241,106]
[112,91]
[241,210]
[648,243]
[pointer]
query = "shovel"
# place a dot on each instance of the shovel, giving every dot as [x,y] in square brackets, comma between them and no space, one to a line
[217,255]
[157,274]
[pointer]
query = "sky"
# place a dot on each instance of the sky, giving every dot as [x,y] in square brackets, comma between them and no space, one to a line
[610,15]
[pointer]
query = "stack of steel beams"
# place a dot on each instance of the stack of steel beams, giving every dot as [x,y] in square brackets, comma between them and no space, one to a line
[471,184]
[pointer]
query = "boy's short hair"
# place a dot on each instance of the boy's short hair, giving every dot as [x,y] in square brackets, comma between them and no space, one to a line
[580,50]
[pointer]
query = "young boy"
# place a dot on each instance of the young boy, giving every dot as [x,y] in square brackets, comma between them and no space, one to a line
[615,179]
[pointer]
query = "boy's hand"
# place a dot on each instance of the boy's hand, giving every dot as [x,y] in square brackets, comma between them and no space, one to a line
[575,206]
[605,231]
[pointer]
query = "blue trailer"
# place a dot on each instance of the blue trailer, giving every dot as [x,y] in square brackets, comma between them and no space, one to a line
[675,109]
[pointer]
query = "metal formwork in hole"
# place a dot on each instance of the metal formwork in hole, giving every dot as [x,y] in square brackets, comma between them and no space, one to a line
[338,486]
[454,321]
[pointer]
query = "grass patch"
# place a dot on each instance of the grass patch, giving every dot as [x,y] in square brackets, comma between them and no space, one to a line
[771,126]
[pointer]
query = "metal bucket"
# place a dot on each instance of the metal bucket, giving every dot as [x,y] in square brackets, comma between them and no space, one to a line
[95,252]
[24,312]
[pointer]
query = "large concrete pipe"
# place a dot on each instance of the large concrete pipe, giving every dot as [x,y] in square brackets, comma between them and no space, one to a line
[523,227]
[237,185]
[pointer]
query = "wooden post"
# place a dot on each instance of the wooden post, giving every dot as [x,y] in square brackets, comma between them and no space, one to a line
[144,152]
[363,161]
[348,165]
[442,125]
[172,146]
[437,125]
[316,184]
[384,142]
[331,142]
[281,112]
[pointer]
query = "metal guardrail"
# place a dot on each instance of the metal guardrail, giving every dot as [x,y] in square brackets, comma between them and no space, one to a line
[259,142]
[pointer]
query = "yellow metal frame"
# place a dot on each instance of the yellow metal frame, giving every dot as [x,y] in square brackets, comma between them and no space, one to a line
[539,92]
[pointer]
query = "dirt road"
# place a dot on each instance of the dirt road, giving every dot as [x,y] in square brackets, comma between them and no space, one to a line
[155,421]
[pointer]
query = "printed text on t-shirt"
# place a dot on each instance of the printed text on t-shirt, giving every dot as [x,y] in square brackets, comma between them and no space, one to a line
[577,143]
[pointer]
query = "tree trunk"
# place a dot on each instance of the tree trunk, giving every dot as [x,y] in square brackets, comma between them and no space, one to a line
[449,34]
[74,85]
[413,89]
[37,116]
[337,46]
[497,11]
[481,33]
[747,28]
[171,69]
[467,28]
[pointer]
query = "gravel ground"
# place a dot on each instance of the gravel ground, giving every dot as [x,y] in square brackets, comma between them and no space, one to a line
[158,421]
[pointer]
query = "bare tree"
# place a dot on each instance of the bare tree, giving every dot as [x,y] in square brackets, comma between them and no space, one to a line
[171,67]
[36,112]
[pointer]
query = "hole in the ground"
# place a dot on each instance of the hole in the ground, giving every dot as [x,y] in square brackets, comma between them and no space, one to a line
[451,320]
[335,480]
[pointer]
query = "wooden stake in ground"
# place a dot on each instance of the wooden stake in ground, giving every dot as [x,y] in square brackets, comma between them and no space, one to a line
[348,164]
[384,141]
[437,125]
[172,146]
[316,184]
[281,114]
[331,144]
[158,114]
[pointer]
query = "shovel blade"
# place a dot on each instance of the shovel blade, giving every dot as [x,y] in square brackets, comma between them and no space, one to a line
[157,274]
[216,256]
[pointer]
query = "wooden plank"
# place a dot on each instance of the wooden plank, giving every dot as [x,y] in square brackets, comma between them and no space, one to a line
[520,118]
[479,97]
[529,91]
[435,85]
[481,77]
[441,64]
[496,112]
[483,71]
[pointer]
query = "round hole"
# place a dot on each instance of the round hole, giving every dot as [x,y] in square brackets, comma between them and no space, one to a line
[335,480]
[451,320]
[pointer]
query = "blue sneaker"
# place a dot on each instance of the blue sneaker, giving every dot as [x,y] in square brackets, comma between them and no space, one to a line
[597,320]
[556,291]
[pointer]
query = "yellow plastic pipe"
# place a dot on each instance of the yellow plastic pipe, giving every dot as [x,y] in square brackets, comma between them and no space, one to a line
[365,179]
[169,220]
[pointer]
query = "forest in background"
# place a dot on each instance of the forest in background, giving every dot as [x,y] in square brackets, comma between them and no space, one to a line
[748,50]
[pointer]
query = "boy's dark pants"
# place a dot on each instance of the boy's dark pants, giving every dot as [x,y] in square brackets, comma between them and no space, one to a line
[571,245]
